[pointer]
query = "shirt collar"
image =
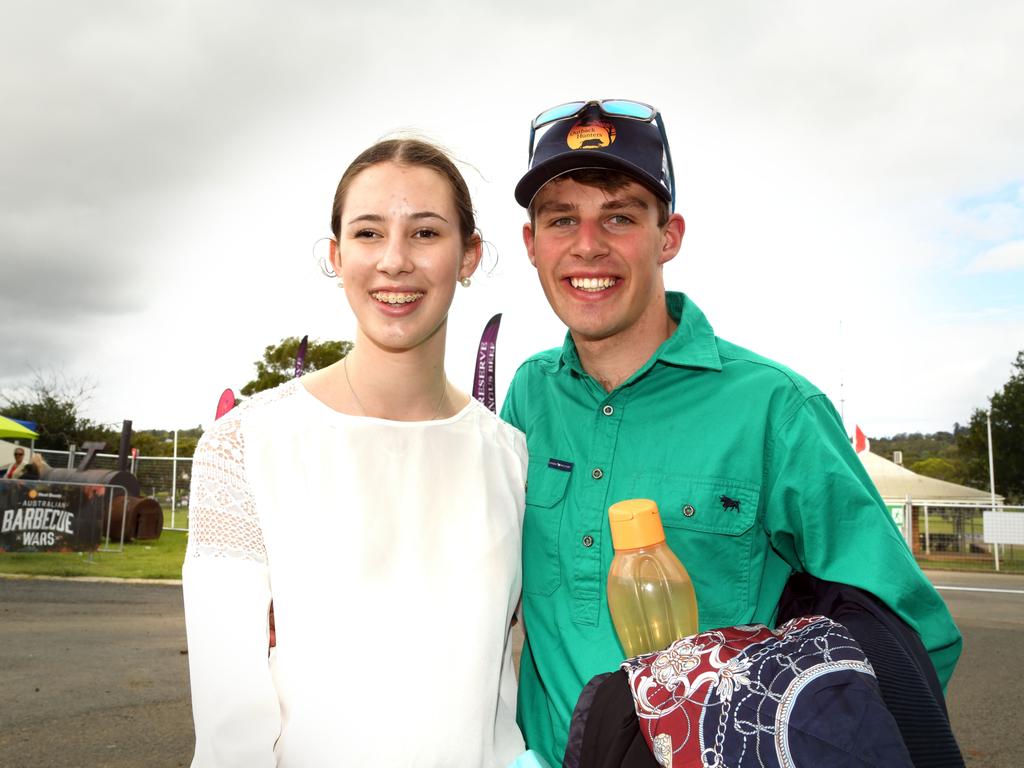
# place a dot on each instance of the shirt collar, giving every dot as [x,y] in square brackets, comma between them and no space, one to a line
[693,345]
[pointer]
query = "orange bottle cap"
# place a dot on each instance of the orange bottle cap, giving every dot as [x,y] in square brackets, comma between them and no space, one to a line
[635,523]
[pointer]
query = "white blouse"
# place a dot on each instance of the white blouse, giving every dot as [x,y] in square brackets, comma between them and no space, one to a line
[391,550]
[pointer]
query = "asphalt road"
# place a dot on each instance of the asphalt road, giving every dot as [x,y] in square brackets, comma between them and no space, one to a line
[985,696]
[96,674]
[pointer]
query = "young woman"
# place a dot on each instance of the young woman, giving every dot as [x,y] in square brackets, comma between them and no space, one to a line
[377,505]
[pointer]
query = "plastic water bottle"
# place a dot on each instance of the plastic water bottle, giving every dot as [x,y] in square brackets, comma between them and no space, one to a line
[650,594]
[529,759]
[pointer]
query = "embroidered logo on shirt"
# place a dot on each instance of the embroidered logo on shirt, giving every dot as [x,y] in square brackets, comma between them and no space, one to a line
[728,503]
[564,466]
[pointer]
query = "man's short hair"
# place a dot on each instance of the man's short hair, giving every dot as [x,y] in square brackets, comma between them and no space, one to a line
[606,181]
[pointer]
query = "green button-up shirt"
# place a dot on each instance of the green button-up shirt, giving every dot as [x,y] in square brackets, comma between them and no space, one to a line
[703,419]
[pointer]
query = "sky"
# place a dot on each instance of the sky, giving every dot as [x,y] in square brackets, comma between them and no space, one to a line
[852,178]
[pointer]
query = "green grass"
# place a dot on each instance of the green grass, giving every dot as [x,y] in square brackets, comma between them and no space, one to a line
[935,525]
[160,559]
[180,516]
[939,524]
[975,564]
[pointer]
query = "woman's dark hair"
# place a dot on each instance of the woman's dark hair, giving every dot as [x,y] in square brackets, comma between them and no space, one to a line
[409,152]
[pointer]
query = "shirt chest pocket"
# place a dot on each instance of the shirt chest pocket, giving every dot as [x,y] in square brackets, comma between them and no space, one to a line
[545,501]
[709,524]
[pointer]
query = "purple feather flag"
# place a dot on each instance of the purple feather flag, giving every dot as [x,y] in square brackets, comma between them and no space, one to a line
[483,383]
[300,358]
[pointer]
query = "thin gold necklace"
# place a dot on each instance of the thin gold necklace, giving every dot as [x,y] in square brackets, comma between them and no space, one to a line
[444,391]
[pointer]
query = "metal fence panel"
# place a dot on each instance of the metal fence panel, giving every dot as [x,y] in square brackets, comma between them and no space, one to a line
[952,534]
[939,533]
[164,478]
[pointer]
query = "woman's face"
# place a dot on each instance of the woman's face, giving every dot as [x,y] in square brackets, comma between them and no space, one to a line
[400,253]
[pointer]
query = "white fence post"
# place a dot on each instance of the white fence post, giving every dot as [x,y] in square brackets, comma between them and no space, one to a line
[908,522]
[174,478]
[927,537]
[992,478]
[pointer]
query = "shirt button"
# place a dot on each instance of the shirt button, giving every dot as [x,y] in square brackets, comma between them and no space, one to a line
[688,510]
[588,541]
[608,410]
[597,474]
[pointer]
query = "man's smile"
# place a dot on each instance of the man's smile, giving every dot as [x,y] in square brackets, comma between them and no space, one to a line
[592,284]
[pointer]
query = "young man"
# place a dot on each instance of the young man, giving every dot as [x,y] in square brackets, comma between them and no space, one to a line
[749,463]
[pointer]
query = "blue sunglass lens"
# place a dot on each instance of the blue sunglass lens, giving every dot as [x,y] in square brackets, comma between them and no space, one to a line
[627,109]
[560,112]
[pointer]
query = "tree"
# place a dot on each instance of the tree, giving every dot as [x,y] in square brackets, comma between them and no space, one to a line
[148,444]
[278,363]
[160,442]
[1007,409]
[940,469]
[53,402]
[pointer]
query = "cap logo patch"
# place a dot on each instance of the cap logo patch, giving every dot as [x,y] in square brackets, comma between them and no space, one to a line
[593,134]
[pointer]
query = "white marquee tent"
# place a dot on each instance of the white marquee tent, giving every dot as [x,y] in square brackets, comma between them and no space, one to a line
[896,483]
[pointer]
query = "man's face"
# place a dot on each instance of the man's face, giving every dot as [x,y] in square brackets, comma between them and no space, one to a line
[19,455]
[599,256]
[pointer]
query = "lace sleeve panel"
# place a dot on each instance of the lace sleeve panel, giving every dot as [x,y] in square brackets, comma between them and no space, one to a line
[223,522]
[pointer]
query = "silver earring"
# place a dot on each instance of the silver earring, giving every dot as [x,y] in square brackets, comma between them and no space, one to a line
[324,262]
[465,282]
[340,283]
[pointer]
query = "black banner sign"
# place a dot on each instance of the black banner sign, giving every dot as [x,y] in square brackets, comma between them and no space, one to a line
[483,384]
[50,517]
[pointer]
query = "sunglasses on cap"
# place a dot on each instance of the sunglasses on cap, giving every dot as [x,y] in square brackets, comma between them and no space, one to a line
[631,110]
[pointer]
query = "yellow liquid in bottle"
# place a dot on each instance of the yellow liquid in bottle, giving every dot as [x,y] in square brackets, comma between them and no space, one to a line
[651,599]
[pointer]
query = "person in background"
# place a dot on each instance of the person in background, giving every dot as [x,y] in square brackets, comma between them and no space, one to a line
[378,506]
[748,462]
[35,468]
[11,469]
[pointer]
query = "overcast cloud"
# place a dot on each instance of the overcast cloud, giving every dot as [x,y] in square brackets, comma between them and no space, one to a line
[852,179]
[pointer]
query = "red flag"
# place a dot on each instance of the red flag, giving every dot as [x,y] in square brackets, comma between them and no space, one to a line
[226,403]
[860,441]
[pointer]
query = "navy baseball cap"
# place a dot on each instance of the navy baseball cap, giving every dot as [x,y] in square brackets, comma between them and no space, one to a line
[597,136]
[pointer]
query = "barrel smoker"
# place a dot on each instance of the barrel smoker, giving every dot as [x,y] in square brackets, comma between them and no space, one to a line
[142,517]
